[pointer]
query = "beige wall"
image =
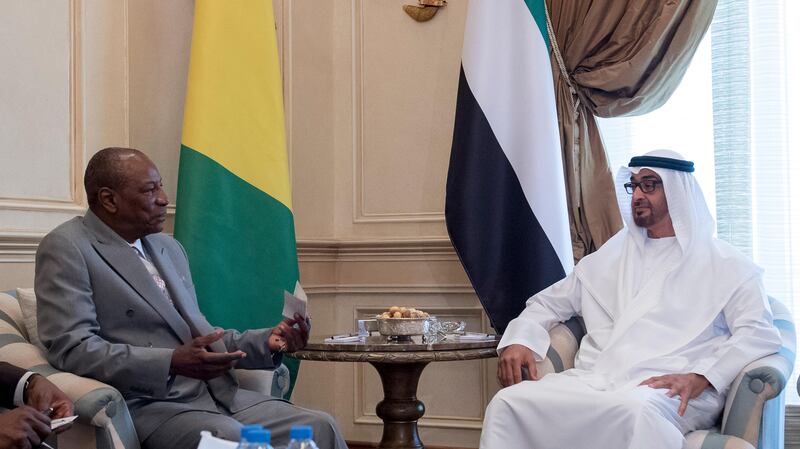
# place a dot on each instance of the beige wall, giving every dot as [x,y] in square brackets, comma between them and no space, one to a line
[369,96]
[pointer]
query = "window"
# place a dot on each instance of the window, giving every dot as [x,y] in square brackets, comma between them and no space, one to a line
[737,116]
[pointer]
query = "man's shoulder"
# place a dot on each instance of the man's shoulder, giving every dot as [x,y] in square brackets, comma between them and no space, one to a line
[728,262]
[730,254]
[71,230]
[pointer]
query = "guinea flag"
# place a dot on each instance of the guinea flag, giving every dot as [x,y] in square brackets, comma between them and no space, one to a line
[506,204]
[234,205]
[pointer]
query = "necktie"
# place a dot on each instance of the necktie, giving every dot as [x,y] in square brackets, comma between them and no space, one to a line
[154,274]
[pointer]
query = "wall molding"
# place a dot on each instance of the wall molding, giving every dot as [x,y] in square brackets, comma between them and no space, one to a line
[19,247]
[360,214]
[74,198]
[329,250]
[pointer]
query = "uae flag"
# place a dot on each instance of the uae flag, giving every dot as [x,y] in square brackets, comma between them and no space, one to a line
[234,204]
[506,205]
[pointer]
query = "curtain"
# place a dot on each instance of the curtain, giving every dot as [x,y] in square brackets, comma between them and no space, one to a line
[613,59]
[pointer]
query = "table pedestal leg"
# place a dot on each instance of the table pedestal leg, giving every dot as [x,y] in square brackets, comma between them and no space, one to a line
[400,409]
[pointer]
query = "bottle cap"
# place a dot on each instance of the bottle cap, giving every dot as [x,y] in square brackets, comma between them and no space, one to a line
[301,432]
[259,436]
[246,430]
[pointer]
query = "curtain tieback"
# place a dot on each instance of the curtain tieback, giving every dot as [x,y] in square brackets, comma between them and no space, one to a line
[576,102]
[561,66]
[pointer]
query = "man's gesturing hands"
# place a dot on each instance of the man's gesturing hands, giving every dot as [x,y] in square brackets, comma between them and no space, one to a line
[194,360]
[286,338]
[510,363]
[687,386]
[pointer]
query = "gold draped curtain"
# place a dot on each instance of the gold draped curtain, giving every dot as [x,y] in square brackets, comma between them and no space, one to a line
[620,57]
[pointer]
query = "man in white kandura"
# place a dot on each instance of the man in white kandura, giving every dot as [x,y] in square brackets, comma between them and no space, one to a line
[672,315]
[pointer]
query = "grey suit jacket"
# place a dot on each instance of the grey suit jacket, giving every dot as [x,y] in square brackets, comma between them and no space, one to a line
[101,315]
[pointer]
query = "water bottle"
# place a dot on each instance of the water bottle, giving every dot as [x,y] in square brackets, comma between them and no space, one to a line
[258,439]
[245,439]
[302,438]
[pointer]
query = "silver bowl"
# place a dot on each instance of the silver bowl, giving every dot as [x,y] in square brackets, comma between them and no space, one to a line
[400,327]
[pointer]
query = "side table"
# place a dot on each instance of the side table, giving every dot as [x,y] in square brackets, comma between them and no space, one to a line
[399,365]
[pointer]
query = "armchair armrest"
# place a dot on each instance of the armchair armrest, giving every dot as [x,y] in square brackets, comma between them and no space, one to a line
[270,382]
[704,438]
[564,341]
[101,410]
[759,381]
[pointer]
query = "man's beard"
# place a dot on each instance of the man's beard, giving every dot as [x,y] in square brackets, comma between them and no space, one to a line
[643,221]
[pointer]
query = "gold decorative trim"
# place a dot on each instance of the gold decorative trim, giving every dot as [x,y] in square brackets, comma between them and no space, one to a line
[425,10]
[76,103]
[126,79]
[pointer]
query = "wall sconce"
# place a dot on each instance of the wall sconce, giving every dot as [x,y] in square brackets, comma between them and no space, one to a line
[424,10]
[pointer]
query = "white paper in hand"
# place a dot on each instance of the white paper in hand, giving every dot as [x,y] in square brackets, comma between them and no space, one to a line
[56,423]
[295,303]
[208,441]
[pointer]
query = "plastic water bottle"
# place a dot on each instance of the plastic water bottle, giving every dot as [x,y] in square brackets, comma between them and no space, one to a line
[245,439]
[258,439]
[302,438]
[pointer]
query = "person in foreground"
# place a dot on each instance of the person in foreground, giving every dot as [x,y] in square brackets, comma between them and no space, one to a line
[116,303]
[36,400]
[672,315]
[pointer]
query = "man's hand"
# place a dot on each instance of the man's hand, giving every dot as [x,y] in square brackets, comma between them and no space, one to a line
[42,394]
[687,386]
[23,428]
[195,361]
[510,363]
[286,338]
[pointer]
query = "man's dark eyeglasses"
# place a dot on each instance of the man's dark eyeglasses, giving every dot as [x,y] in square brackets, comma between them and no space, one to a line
[647,186]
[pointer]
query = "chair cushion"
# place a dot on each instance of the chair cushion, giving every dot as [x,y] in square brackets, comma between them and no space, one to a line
[27,302]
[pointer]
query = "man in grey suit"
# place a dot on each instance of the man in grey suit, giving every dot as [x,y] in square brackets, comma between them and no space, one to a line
[116,302]
[36,400]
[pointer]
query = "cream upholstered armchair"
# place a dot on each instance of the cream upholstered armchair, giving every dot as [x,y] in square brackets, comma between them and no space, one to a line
[754,411]
[104,421]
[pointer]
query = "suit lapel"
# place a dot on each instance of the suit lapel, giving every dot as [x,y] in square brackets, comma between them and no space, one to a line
[223,388]
[125,262]
[180,295]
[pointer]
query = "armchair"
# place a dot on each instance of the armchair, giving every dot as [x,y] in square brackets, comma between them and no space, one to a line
[104,420]
[753,416]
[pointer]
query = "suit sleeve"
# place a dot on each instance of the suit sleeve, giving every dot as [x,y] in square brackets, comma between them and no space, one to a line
[254,343]
[10,376]
[69,329]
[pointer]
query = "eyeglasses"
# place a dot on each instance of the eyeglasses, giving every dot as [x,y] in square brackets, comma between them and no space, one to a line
[647,185]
